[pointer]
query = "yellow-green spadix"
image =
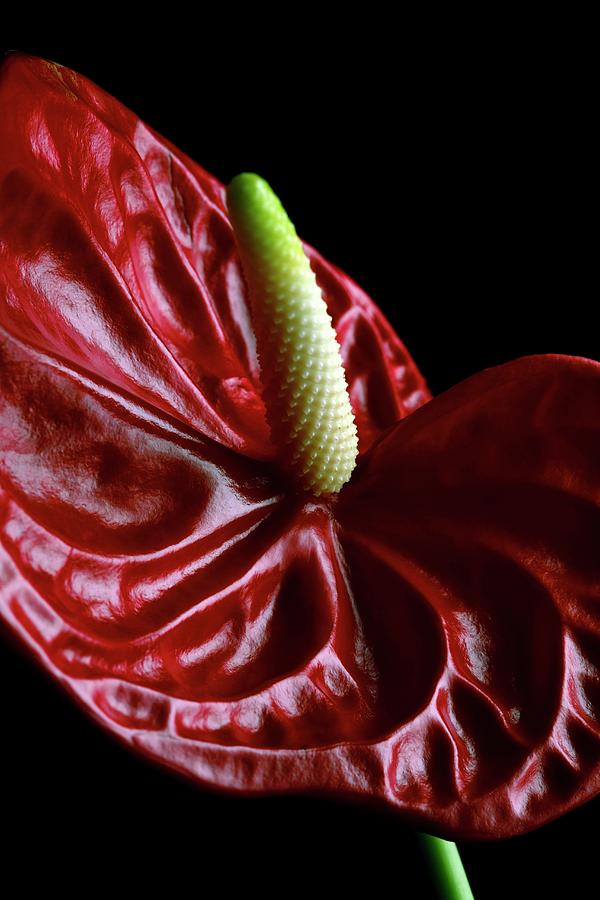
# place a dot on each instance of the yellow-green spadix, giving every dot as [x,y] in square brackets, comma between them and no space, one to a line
[304,385]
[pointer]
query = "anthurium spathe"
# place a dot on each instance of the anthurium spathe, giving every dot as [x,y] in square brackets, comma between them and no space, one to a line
[428,636]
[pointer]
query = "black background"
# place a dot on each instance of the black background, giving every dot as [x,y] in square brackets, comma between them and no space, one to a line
[453,183]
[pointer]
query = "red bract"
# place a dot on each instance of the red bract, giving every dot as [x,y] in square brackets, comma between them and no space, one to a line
[430,638]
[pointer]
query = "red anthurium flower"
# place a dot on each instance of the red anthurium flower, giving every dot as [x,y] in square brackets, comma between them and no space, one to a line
[429,637]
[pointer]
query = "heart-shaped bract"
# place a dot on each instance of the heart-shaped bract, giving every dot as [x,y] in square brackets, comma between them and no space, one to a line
[429,638]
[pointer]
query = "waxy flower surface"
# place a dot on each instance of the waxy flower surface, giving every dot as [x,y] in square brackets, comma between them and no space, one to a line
[429,637]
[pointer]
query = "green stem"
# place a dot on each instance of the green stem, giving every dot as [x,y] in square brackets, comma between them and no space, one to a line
[447,869]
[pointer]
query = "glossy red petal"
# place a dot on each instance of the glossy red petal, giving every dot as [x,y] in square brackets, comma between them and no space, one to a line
[429,641]
[484,507]
[179,589]
[117,256]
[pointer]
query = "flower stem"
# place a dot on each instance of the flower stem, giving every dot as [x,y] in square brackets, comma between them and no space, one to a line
[447,869]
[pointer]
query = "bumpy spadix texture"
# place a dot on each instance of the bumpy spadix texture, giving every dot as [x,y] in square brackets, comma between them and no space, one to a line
[305,390]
